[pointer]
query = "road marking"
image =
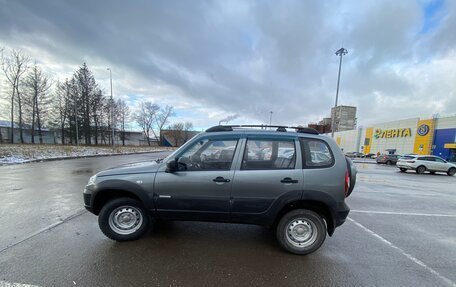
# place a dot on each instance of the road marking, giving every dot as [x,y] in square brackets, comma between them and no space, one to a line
[10,284]
[404,213]
[80,212]
[413,259]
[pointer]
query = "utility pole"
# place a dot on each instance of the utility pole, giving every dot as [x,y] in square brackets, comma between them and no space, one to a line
[341,52]
[112,107]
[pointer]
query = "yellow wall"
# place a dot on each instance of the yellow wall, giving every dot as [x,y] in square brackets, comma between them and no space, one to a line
[369,133]
[423,143]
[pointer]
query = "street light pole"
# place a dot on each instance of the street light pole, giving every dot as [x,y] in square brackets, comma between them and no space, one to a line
[341,52]
[112,106]
[270,119]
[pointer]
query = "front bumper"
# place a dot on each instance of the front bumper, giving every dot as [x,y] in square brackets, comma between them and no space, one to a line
[87,195]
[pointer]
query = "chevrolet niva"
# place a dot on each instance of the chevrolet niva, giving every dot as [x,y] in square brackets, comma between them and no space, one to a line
[290,179]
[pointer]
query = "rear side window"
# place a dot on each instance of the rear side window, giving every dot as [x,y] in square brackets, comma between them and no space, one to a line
[269,154]
[316,153]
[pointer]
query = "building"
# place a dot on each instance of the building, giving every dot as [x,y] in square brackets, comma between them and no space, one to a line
[435,136]
[344,118]
[320,127]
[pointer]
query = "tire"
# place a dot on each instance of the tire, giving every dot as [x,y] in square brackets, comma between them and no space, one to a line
[388,162]
[403,169]
[131,226]
[421,169]
[451,171]
[301,231]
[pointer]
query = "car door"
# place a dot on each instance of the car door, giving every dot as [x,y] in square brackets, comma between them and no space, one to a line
[430,163]
[269,168]
[200,188]
[440,164]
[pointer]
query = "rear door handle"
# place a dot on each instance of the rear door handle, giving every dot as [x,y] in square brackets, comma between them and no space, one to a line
[220,179]
[289,180]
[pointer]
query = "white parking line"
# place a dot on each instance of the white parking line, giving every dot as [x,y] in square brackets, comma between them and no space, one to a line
[415,260]
[9,284]
[404,213]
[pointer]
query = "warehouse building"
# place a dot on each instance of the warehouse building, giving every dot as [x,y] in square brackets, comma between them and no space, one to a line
[435,136]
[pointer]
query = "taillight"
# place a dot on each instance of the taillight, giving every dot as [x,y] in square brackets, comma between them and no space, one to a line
[410,161]
[347,183]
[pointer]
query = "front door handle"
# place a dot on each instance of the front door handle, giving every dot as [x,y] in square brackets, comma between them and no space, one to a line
[220,179]
[289,180]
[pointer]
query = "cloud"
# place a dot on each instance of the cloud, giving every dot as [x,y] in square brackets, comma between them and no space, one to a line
[214,58]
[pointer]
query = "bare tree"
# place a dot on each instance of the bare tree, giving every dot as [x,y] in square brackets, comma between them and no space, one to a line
[14,66]
[37,86]
[188,126]
[163,118]
[176,131]
[61,105]
[123,113]
[145,118]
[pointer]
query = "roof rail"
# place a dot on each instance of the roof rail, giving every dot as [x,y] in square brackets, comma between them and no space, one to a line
[229,128]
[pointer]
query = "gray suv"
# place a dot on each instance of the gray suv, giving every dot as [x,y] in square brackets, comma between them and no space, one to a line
[290,179]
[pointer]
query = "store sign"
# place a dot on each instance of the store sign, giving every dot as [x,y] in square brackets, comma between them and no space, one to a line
[393,133]
[423,130]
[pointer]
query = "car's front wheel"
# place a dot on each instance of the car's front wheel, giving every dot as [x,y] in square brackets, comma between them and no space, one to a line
[301,231]
[123,219]
[451,171]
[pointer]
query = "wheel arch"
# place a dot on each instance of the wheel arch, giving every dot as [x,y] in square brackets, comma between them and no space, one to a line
[109,190]
[318,207]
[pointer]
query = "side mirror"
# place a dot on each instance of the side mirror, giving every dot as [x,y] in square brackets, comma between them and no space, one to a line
[171,166]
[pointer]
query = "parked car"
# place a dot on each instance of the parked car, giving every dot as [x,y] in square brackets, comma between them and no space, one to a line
[370,155]
[354,154]
[423,163]
[301,196]
[388,159]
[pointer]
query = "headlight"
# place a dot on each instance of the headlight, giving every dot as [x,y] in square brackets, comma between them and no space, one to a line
[92,180]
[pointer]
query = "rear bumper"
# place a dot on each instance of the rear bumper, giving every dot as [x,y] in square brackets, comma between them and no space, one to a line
[341,214]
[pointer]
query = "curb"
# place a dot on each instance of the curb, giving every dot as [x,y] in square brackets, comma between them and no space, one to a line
[82,156]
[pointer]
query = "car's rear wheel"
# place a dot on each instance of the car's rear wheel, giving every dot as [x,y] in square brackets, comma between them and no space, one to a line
[388,162]
[123,219]
[301,231]
[421,169]
[403,169]
[451,171]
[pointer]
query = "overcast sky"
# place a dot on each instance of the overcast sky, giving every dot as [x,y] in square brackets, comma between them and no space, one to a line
[213,59]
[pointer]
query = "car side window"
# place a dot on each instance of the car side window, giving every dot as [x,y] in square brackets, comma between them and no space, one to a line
[439,160]
[316,153]
[208,155]
[263,154]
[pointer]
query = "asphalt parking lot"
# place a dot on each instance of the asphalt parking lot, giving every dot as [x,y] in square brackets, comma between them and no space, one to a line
[401,232]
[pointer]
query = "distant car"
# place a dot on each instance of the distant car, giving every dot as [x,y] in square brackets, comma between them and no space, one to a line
[370,155]
[423,163]
[354,154]
[388,159]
